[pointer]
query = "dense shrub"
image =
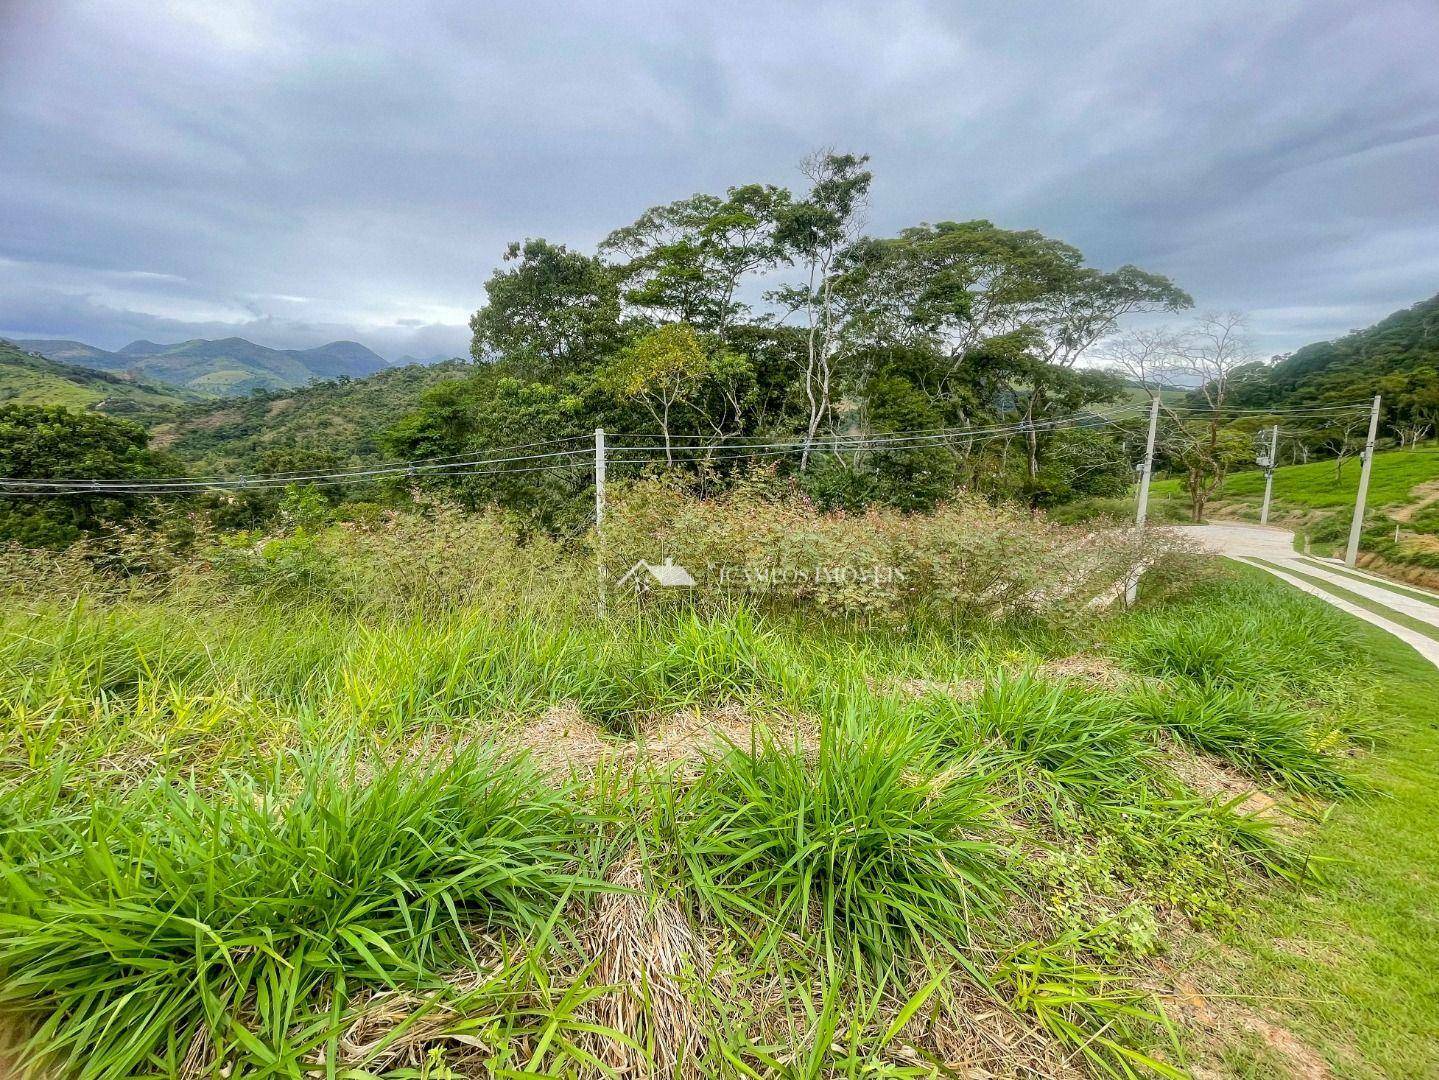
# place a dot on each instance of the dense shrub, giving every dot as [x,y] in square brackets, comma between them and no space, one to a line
[967,559]
[439,559]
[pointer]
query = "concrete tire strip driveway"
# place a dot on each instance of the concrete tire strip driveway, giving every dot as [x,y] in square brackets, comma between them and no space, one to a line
[1400,609]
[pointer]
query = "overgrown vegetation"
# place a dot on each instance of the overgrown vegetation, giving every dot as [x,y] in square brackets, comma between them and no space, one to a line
[388,800]
[703,334]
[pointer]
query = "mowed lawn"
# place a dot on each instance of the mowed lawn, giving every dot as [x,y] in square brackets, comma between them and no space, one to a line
[1352,966]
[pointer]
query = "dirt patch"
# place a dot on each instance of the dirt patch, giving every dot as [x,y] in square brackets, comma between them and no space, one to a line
[1086,667]
[1411,575]
[1424,495]
[1221,1019]
[1082,667]
[563,741]
[278,406]
[959,689]
[689,736]
[1213,779]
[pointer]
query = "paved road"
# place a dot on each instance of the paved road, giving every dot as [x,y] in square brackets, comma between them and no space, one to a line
[1272,550]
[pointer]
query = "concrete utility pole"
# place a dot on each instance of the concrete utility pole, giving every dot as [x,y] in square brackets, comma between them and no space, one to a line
[1357,526]
[1131,587]
[600,517]
[1143,511]
[1269,474]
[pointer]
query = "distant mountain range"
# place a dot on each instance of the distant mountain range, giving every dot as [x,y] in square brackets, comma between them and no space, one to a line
[28,379]
[218,368]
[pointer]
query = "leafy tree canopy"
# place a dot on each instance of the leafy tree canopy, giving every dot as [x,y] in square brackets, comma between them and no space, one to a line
[43,442]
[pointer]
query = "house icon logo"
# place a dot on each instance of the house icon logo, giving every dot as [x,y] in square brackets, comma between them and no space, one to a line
[666,575]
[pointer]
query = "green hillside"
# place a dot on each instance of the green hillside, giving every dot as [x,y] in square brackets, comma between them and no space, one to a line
[1318,499]
[1397,357]
[343,417]
[28,379]
[1138,395]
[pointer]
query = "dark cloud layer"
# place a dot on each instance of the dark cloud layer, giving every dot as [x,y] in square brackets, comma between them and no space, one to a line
[295,172]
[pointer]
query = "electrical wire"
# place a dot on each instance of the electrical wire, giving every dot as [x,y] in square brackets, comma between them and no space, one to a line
[139,488]
[724,453]
[939,435]
[457,466]
[1225,410]
[281,480]
[486,463]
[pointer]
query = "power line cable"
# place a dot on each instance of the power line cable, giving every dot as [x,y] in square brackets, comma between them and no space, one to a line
[451,466]
[267,480]
[485,462]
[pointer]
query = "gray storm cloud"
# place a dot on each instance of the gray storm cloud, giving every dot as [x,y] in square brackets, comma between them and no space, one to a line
[296,172]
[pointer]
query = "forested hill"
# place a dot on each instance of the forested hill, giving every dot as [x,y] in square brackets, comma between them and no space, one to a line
[343,418]
[1397,357]
[30,379]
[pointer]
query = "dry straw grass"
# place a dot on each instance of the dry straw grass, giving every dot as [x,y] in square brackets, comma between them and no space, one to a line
[644,947]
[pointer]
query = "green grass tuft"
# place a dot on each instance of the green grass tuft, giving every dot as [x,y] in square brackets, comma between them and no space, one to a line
[249,916]
[867,846]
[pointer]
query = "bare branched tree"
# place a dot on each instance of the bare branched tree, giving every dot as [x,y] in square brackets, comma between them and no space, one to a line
[1204,356]
[1344,437]
[1211,350]
[813,233]
[1149,358]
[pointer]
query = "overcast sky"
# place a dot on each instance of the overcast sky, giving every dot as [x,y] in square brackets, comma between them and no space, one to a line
[294,172]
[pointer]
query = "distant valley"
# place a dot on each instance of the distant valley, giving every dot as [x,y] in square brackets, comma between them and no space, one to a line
[28,379]
[218,368]
[341,416]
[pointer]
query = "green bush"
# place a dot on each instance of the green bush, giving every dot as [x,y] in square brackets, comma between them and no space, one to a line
[1070,733]
[774,548]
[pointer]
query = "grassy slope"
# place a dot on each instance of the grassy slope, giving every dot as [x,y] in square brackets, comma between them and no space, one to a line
[1353,966]
[1317,486]
[26,379]
[1137,395]
[1317,500]
[1349,975]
